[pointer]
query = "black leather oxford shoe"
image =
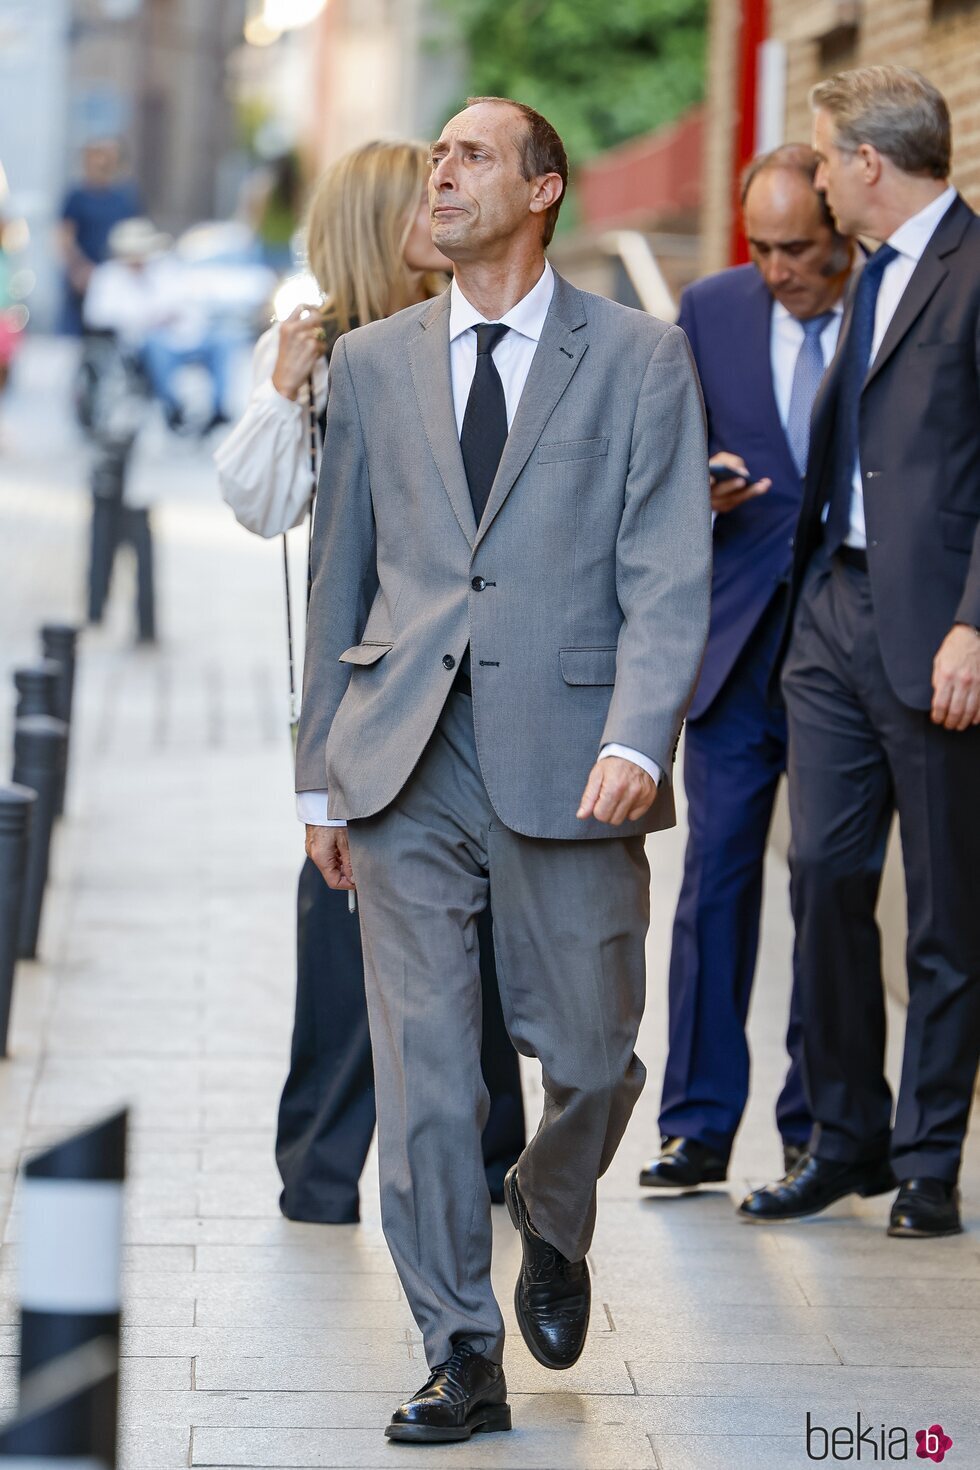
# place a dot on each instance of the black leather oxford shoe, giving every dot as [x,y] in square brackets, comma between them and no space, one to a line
[553,1296]
[463,1396]
[684,1164]
[812,1186]
[925,1207]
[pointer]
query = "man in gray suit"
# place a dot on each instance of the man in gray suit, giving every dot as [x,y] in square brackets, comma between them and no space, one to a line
[510,599]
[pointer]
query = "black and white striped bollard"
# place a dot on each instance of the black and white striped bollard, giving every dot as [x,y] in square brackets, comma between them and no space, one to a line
[70,1265]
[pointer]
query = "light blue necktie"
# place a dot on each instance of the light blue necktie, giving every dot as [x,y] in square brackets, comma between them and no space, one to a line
[806,381]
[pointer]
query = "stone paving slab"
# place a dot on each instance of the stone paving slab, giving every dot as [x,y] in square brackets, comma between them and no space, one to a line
[165,981]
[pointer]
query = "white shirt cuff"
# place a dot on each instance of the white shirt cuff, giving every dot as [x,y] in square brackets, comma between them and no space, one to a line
[311,808]
[266,392]
[626,753]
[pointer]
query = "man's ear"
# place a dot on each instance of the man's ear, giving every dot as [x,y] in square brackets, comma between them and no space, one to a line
[548,190]
[869,161]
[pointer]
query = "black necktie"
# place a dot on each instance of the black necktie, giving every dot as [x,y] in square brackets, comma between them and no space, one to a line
[484,431]
[855,357]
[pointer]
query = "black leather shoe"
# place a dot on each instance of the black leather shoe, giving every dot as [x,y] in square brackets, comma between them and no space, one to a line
[684,1164]
[553,1296]
[466,1395]
[812,1186]
[925,1207]
[792,1154]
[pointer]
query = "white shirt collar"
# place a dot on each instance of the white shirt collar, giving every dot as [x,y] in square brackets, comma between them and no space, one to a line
[914,235]
[527,317]
[781,314]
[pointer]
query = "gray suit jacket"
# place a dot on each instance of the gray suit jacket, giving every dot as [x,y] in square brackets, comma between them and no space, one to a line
[583,594]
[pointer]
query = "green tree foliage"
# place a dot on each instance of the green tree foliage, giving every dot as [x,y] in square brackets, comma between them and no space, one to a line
[602,71]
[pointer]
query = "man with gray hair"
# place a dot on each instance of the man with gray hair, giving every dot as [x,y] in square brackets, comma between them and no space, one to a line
[882,674]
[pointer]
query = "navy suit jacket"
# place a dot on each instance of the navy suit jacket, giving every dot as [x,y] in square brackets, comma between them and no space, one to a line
[727,319]
[920,459]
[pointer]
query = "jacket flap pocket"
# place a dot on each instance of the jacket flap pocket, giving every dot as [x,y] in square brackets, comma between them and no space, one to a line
[364,653]
[588,665]
[958,529]
[572,449]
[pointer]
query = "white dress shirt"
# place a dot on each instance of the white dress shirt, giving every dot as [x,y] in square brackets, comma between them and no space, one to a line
[785,340]
[910,240]
[512,357]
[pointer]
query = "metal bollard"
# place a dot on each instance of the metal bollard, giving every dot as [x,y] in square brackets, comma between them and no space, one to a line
[58,642]
[16,810]
[39,752]
[71,1257]
[37,688]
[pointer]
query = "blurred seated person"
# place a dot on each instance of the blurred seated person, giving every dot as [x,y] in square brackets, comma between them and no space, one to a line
[141,294]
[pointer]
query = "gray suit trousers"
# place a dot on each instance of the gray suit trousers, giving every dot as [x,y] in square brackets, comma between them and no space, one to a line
[570,920]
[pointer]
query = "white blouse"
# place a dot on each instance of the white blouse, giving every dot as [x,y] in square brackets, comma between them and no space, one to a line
[264,464]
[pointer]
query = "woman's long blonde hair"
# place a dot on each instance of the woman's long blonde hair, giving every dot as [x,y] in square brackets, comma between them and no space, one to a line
[362,210]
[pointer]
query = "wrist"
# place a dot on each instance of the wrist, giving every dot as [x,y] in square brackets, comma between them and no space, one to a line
[285,390]
[970,627]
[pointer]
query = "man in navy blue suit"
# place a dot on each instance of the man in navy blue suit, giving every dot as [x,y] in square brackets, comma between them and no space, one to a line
[762,335]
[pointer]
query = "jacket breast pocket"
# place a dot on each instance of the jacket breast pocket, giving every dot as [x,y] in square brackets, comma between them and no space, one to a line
[949,349]
[588,665]
[566,449]
[958,530]
[364,654]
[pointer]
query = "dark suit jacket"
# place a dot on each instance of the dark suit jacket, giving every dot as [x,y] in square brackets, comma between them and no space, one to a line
[727,319]
[920,459]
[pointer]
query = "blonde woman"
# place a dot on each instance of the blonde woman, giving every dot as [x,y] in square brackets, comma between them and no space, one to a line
[371,251]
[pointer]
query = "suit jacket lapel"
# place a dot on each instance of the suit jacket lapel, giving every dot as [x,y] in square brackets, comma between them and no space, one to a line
[429,360]
[824,411]
[924,281]
[562,346]
[927,276]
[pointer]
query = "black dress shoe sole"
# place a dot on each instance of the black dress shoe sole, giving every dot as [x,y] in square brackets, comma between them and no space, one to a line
[867,1191]
[908,1232]
[527,1332]
[657,1181]
[487,1419]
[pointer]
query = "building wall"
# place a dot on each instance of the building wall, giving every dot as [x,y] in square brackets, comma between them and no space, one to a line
[157,78]
[938,37]
[384,68]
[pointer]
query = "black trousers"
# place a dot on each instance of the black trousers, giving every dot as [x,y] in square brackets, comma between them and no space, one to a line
[326,1113]
[856,755]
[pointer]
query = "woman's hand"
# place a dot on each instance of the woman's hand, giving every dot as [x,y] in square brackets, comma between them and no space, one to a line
[301,338]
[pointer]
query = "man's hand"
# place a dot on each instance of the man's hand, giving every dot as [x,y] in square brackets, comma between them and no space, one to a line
[617,790]
[727,495]
[328,848]
[956,680]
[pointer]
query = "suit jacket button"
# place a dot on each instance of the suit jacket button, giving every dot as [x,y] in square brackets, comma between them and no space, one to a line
[478,584]
[448,662]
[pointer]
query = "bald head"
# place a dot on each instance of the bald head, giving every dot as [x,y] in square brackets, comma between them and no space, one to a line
[792,239]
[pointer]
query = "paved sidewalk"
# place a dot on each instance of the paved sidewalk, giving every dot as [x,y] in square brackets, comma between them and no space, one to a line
[165,981]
